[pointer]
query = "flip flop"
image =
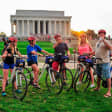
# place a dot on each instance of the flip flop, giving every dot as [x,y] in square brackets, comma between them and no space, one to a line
[106,95]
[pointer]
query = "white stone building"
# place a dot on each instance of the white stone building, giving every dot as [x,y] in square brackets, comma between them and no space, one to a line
[40,22]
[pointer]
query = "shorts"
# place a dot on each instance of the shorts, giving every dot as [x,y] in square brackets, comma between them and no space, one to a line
[55,65]
[31,62]
[104,70]
[8,66]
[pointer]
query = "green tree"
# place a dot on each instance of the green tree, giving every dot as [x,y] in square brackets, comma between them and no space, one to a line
[2,34]
[91,34]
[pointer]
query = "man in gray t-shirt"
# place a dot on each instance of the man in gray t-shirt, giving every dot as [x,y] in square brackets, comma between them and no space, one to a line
[103,47]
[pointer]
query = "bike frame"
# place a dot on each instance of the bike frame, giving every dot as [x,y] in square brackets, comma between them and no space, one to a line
[48,68]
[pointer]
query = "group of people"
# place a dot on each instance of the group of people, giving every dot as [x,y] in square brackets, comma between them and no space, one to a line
[102,54]
[102,50]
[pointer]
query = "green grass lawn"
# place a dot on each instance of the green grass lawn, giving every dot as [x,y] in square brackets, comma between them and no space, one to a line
[22,45]
[42,101]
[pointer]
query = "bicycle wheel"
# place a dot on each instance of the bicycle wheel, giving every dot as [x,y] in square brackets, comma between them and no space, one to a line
[84,79]
[55,86]
[78,70]
[94,74]
[28,76]
[19,86]
[67,79]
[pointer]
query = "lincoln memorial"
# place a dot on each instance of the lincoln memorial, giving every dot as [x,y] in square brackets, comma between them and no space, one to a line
[40,22]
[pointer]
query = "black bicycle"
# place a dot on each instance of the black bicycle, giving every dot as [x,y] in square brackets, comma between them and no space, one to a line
[53,79]
[82,77]
[65,73]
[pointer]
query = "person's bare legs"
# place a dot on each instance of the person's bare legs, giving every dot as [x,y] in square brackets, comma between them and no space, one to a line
[81,75]
[15,81]
[109,88]
[98,84]
[92,77]
[36,72]
[5,78]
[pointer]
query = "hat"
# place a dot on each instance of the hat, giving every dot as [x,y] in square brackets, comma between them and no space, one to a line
[57,35]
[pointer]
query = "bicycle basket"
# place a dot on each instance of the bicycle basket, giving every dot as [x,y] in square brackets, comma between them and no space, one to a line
[81,58]
[65,59]
[49,59]
[20,63]
[90,61]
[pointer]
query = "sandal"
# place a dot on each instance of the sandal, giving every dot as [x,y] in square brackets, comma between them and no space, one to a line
[107,95]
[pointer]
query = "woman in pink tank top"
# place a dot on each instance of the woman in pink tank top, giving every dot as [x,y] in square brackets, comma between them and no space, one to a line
[85,47]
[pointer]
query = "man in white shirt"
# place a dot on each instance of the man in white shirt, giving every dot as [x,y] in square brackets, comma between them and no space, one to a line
[103,47]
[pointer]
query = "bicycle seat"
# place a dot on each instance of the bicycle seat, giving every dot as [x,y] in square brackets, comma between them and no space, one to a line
[82,58]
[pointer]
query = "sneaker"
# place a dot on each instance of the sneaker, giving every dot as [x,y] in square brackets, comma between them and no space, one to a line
[92,85]
[4,93]
[18,91]
[78,83]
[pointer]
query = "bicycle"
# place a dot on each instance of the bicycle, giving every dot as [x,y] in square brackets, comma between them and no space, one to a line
[65,73]
[83,73]
[53,80]
[18,79]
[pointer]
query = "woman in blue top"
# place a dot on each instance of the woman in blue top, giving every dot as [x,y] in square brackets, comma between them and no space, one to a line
[32,54]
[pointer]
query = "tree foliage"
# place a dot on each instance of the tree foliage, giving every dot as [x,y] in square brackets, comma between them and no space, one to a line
[90,33]
[2,34]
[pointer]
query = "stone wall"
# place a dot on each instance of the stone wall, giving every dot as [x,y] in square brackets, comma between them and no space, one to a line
[40,13]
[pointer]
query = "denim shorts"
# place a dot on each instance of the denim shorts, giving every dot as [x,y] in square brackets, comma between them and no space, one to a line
[104,70]
[8,66]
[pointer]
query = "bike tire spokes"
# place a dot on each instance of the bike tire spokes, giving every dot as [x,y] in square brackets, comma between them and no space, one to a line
[19,86]
[54,82]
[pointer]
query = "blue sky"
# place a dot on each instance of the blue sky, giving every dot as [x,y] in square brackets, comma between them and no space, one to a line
[86,14]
